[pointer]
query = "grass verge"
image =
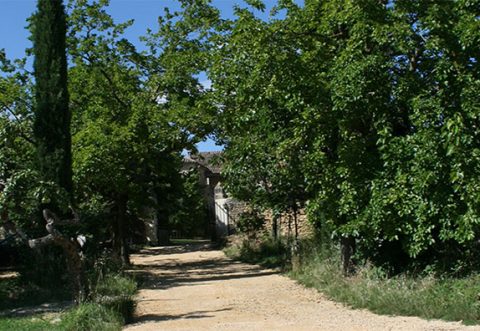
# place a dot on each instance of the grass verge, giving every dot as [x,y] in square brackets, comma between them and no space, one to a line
[85,317]
[451,299]
[117,293]
[91,316]
[111,305]
[34,323]
[447,298]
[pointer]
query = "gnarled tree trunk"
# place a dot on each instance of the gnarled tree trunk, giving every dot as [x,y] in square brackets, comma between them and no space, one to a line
[72,249]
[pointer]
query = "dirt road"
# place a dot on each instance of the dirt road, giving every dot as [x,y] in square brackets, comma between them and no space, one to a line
[196,288]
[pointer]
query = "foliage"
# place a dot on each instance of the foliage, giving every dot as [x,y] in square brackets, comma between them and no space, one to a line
[250,223]
[267,252]
[365,111]
[18,171]
[249,77]
[51,121]
[85,317]
[26,324]
[116,285]
[373,288]
[35,131]
[15,292]
[190,216]
[24,185]
[126,135]
[111,305]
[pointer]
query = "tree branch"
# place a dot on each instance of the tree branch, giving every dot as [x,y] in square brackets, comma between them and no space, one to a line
[22,133]
[41,242]
[107,77]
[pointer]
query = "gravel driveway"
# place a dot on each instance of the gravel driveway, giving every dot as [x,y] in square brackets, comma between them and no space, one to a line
[194,287]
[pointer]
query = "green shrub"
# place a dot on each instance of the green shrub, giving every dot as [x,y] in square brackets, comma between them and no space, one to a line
[250,223]
[269,253]
[117,292]
[91,317]
[44,267]
[112,306]
[85,317]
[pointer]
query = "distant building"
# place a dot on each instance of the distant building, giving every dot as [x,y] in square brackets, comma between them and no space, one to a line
[223,210]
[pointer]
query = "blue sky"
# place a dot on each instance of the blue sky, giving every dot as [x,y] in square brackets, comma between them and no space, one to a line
[14,13]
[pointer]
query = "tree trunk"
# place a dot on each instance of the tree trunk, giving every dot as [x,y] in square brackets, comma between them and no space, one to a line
[120,244]
[289,227]
[275,226]
[295,220]
[72,250]
[296,258]
[347,249]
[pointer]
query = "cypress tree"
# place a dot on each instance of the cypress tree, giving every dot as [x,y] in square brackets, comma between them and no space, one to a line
[51,127]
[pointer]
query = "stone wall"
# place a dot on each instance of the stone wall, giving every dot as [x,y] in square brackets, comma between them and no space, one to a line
[286,224]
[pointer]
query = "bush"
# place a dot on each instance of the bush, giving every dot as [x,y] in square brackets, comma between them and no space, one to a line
[15,292]
[268,253]
[250,223]
[112,305]
[117,293]
[45,268]
[91,317]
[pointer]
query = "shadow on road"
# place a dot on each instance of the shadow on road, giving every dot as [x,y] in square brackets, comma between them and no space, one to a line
[164,273]
[198,245]
[166,317]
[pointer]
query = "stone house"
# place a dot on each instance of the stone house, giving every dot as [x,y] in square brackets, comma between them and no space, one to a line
[223,210]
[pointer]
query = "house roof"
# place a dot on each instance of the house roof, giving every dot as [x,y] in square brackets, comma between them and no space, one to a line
[210,160]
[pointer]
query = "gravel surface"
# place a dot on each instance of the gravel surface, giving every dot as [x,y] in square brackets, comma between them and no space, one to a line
[198,288]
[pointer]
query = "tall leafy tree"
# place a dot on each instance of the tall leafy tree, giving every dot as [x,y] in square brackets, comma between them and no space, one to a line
[51,127]
[128,130]
[365,109]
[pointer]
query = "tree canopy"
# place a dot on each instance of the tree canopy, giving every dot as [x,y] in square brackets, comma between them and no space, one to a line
[366,113]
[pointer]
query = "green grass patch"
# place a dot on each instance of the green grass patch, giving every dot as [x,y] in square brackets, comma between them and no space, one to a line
[112,304]
[35,323]
[91,317]
[117,292]
[85,317]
